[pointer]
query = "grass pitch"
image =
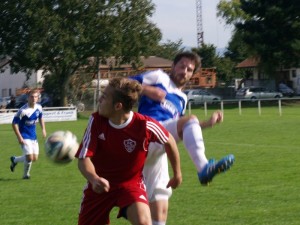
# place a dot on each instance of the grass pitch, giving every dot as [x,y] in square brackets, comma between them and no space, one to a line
[261,188]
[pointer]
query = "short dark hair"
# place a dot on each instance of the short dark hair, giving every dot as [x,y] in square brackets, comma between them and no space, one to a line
[190,55]
[126,91]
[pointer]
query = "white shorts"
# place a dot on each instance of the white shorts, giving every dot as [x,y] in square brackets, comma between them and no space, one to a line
[30,147]
[156,171]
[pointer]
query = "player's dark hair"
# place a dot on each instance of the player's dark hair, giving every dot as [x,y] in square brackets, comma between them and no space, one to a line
[191,56]
[126,91]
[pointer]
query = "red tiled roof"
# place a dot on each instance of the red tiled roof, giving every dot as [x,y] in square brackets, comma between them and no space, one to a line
[153,61]
[248,63]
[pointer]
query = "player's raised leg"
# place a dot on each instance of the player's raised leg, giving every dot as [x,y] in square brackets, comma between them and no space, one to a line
[191,132]
[213,168]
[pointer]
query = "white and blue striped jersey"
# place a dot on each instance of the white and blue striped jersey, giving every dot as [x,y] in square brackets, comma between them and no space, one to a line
[175,100]
[26,118]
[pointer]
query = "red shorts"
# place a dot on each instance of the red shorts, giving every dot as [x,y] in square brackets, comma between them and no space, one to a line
[95,208]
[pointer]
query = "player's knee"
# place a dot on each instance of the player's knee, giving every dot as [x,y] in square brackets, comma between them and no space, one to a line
[29,158]
[143,220]
[186,121]
[159,211]
[192,119]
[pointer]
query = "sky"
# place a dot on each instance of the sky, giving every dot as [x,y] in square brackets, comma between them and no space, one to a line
[177,19]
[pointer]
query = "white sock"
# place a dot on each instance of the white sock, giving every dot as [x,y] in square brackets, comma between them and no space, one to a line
[158,223]
[19,159]
[193,142]
[27,167]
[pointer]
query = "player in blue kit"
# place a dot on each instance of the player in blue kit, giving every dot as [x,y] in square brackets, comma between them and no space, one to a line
[24,126]
[164,100]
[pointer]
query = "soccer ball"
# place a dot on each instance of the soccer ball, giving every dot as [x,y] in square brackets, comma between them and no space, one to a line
[61,146]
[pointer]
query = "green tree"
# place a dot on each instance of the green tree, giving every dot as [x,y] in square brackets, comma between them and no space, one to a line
[208,55]
[268,29]
[224,65]
[168,50]
[62,36]
[237,49]
[225,69]
[273,31]
[230,11]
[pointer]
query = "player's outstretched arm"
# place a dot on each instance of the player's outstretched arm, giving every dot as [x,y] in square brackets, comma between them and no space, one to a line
[174,158]
[216,117]
[154,93]
[87,169]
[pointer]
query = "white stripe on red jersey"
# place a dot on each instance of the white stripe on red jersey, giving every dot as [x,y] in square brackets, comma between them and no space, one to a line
[157,131]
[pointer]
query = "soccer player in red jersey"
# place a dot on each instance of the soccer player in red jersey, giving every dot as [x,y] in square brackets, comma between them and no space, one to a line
[112,154]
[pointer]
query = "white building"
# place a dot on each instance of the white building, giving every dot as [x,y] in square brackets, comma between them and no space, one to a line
[291,76]
[10,82]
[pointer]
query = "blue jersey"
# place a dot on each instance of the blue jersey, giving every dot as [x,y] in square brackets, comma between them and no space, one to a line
[175,100]
[26,118]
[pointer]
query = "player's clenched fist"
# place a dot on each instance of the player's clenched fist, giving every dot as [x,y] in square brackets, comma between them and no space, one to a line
[100,185]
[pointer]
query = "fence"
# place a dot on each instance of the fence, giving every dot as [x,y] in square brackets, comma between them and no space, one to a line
[249,102]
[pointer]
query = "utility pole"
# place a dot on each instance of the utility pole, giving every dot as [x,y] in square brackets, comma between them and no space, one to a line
[200,40]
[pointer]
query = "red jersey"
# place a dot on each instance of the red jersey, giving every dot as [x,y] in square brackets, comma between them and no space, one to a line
[119,152]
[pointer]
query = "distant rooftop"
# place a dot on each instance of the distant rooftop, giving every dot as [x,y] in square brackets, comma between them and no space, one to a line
[248,63]
[148,62]
[154,61]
